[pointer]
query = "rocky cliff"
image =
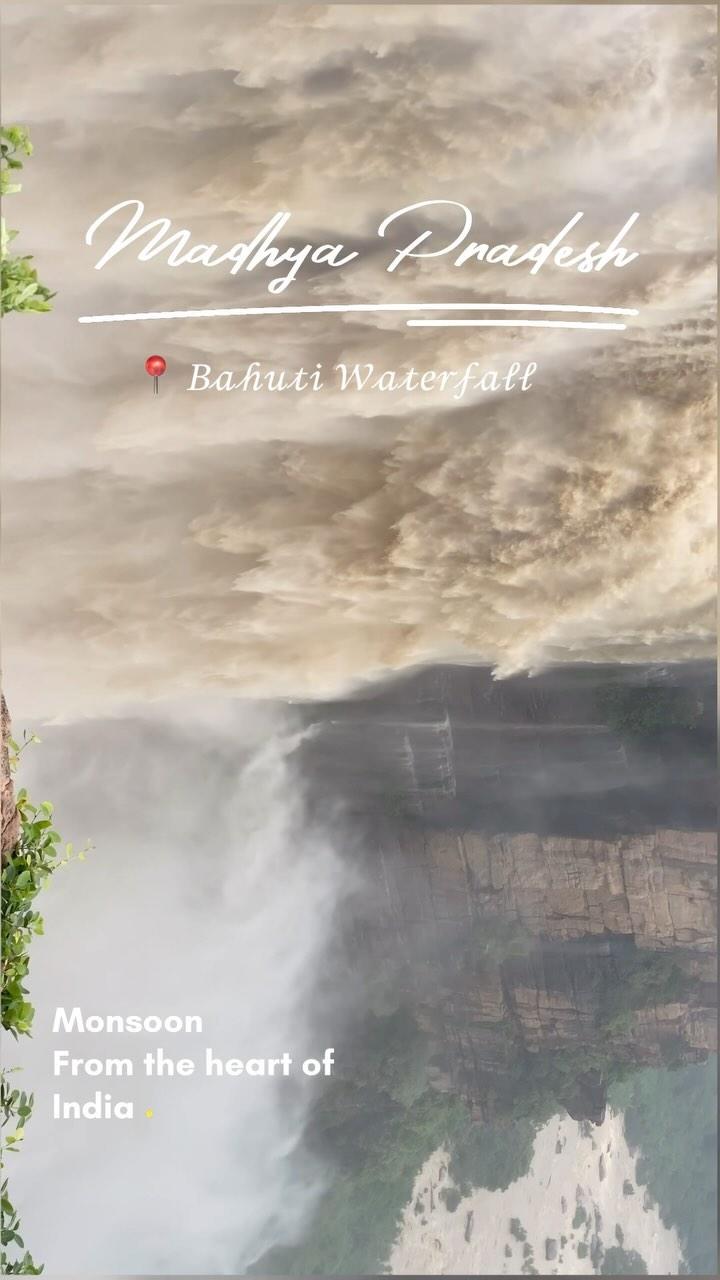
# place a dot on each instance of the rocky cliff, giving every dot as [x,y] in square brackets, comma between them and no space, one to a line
[660,889]
[513,949]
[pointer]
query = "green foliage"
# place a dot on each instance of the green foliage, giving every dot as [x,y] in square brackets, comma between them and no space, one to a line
[10,1235]
[31,863]
[16,1108]
[357,1220]
[393,1057]
[28,866]
[622,1262]
[35,856]
[377,1131]
[492,1155]
[378,1127]
[20,289]
[670,1118]
[25,871]
[645,978]
[643,710]
[536,1086]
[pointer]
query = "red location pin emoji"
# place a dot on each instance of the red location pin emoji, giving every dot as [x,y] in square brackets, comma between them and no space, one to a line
[155,366]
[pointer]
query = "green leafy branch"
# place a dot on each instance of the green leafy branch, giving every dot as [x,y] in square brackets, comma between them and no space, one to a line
[33,860]
[39,852]
[16,1108]
[28,864]
[20,289]
[10,1233]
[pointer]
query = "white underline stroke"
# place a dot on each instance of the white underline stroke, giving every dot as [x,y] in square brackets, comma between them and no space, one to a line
[208,314]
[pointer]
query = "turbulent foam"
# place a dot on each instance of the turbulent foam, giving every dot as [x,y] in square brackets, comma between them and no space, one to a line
[257,546]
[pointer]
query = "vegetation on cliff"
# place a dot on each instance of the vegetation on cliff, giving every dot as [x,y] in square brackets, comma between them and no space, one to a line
[648,709]
[642,979]
[536,1083]
[376,1128]
[492,1155]
[670,1119]
[622,1262]
[374,1131]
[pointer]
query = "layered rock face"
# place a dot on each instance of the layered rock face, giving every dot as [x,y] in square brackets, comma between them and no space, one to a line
[527,944]
[660,888]
[585,946]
